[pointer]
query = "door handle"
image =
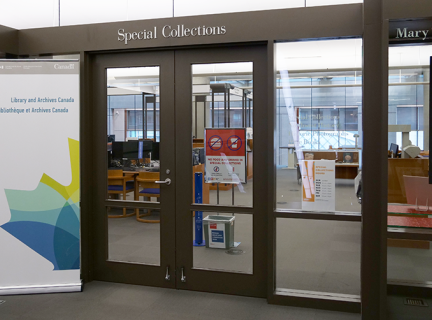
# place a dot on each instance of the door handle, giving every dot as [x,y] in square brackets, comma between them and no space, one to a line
[183,277]
[167,276]
[167,181]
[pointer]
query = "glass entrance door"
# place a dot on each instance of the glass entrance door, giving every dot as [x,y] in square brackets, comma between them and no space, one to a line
[221,98]
[134,224]
[179,200]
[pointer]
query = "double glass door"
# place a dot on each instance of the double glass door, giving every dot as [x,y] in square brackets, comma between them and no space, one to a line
[180,182]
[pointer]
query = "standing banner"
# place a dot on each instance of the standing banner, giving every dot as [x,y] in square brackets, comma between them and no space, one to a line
[318,185]
[39,176]
[225,155]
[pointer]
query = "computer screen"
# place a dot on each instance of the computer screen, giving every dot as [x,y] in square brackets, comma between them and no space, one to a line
[155,151]
[147,145]
[202,155]
[117,150]
[130,149]
[394,148]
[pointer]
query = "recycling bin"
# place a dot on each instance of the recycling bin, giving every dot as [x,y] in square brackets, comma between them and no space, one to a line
[219,231]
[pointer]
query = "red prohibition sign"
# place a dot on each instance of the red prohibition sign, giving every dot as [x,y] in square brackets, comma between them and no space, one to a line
[234,143]
[215,143]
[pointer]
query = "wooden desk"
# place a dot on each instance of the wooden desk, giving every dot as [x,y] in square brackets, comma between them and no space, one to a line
[343,170]
[397,168]
[346,170]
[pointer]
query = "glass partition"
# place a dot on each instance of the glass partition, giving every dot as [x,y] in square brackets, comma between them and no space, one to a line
[222,127]
[319,126]
[318,159]
[314,255]
[133,139]
[409,192]
[233,255]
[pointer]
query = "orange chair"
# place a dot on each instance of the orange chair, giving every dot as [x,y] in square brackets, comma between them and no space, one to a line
[146,182]
[120,184]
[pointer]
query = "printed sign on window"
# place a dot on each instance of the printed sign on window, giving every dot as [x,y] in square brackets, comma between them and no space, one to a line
[318,185]
[225,152]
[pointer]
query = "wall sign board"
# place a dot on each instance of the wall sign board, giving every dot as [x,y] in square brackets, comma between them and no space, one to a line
[39,176]
[410,31]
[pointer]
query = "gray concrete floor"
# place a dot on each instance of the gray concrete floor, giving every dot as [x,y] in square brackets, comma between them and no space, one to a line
[109,301]
[112,301]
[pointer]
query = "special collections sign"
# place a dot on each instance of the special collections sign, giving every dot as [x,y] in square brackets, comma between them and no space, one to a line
[167,31]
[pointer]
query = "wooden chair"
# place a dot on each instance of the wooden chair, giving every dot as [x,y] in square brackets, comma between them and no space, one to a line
[146,181]
[120,184]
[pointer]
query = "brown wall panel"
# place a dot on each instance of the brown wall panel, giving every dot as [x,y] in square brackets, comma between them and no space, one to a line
[404,9]
[288,24]
[374,171]
[8,40]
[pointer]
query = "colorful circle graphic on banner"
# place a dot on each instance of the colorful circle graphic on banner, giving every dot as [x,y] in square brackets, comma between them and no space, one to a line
[234,143]
[216,169]
[215,143]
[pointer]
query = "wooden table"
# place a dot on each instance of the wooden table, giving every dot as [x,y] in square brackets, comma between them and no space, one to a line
[346,170]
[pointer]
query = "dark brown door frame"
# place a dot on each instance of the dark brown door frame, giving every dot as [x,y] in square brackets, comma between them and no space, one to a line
[201,280]
[213,281]
[119,271]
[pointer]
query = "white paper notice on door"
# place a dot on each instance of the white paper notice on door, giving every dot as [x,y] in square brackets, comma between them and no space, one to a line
[318,185]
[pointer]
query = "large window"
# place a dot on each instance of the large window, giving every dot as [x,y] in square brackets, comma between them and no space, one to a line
[409,192]
[125,117]
[318,156]
[327,108]
[406,101]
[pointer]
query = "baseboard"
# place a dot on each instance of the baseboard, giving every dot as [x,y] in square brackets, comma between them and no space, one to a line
[56,288]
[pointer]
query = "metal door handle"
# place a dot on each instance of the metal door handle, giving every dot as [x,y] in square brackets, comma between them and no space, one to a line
[167,181]
[183,277]
[167,276]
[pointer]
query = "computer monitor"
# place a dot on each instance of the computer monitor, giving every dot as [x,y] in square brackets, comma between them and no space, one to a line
[202,155]
[147,145]
[130,150]
[117,150]
[155,151]
[144,147]
[395,149]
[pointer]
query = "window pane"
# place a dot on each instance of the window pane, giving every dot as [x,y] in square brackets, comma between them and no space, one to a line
[222,130]
[316,255]
[228,243]
[318,120]
[408,182]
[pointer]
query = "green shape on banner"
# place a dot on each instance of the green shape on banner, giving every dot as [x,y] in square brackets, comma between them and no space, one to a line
[47,219]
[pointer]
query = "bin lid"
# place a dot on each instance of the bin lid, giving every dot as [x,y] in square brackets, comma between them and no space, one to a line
[219,218]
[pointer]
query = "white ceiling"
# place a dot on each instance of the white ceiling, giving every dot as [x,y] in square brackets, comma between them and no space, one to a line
[25,14]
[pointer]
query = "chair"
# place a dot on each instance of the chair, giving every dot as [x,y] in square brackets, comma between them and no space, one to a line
[120,184]
[146,181]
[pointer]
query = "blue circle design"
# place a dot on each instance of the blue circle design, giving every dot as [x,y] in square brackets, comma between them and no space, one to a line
[211,144]
[238,141]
